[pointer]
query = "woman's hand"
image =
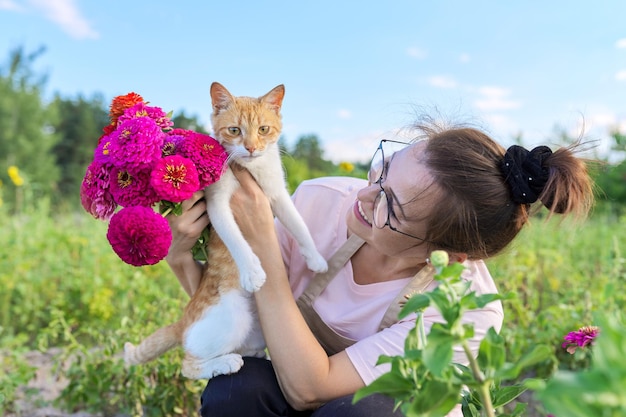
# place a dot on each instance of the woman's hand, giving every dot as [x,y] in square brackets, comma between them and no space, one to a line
[251,208]
[186,229]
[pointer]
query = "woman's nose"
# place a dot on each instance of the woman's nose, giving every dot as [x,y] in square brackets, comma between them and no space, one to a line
[368,193]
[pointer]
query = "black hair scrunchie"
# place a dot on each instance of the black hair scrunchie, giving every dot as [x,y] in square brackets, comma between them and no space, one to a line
[524,172]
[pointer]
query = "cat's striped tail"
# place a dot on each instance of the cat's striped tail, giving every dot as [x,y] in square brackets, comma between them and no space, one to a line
[154,345]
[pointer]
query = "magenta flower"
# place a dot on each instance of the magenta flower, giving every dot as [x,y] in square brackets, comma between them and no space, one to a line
[139,235]
[141,109]
[102,152]
[181,132]
[175,178]
[132,189]
[136,144]
[207,154]
[580,338]
[171,144]
[95,195]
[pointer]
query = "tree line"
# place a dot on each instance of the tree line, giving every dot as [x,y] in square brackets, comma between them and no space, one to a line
[52,143]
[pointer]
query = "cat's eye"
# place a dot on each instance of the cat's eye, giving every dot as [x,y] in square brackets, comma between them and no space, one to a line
[264,130]
[234,130]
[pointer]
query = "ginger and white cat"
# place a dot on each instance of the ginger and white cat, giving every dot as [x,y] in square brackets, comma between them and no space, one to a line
[220,324]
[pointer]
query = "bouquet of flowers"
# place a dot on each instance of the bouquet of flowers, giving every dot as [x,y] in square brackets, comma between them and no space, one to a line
[142,162]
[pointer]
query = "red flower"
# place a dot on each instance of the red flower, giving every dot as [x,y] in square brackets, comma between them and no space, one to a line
[121,103]
[174,178]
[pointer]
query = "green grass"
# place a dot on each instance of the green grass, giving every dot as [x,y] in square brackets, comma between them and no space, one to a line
[62,285]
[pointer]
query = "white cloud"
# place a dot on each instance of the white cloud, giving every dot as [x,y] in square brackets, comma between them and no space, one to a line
[344,114]
[602,119]
[417,53]
[464,58]
[621,43]
[501,124]
[495,98]
[9,5]
[621,75]
[442,81]
[66,14]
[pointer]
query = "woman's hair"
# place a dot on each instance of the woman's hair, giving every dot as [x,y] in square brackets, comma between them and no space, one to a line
[479,211]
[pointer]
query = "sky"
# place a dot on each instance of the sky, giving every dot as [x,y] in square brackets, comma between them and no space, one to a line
[355,72]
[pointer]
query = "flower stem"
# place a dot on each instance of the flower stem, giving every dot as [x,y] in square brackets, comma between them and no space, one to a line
[167,211]
[480,378]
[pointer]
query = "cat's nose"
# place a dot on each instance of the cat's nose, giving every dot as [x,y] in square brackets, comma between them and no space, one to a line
[251,149]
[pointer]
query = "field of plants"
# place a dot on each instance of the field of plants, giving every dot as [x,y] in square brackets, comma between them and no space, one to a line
[65,293]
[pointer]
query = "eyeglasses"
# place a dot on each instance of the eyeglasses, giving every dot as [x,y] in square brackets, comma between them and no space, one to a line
[383,204]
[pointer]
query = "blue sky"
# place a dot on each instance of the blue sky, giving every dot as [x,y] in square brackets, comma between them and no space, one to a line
[354,71]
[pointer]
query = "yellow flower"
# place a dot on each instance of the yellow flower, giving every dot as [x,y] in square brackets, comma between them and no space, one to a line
[14,174]
[346,166]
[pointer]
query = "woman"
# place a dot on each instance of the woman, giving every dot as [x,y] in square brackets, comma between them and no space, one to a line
[455,190]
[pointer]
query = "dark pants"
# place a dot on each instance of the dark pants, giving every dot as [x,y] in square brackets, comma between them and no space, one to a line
[254,392]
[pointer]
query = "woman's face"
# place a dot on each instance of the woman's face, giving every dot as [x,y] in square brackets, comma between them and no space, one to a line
[411,198]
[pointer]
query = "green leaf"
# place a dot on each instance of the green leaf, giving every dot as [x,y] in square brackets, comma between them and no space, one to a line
[470,410]
[435,399]
[507,394]
[416,303]
[391,384]
[471,301]
[453,270]
[538,354]
[491,354]
[519,411]
[438,351]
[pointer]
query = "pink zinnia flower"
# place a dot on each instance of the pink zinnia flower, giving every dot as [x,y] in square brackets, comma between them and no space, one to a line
[139,235]
[175,178]
[95,195]
[208,156]
[102,153]
[171,144]
[143,110]
[181,132]
[132,189]
[580,338]
[136,144]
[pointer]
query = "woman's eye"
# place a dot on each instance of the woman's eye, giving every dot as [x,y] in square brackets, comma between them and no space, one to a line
[234,131]
[392,212]
[264,130]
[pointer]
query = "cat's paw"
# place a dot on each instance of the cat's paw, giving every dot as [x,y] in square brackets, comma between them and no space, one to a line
[194,368]
[224,365]
[252,277]
[314,261]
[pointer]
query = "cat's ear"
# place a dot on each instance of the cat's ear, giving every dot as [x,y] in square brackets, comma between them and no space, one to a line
[274,98]
[220,97]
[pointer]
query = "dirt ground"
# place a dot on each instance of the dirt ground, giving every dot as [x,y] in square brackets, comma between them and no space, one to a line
[46,386]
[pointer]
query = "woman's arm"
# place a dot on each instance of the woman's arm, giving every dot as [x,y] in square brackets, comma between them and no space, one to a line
[307,376]
[186,229]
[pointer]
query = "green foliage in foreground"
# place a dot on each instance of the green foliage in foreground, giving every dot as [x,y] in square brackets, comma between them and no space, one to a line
[63,286]
[598,390]
[426,382]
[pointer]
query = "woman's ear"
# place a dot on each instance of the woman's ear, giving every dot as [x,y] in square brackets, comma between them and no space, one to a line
[458,257]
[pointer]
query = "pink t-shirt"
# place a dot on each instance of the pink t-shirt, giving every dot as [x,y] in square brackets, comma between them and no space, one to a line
[355,311]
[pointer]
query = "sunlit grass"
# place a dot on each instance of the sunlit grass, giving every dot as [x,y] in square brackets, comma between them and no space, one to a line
[60,281]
